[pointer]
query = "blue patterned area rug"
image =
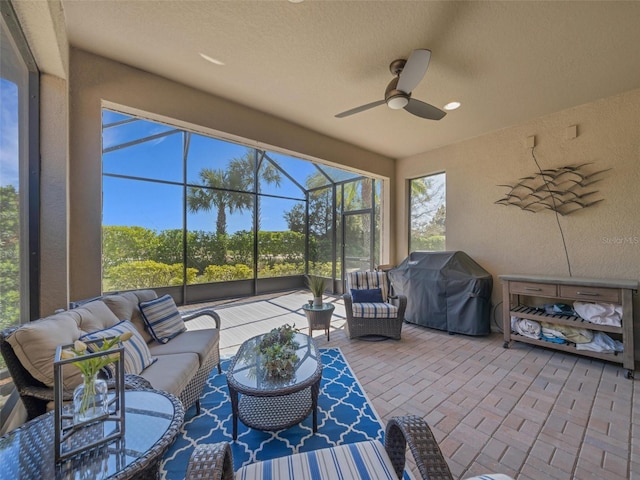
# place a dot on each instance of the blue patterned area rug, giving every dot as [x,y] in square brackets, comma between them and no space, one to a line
[344,416]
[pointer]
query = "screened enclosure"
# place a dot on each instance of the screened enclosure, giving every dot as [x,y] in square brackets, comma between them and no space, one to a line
[204,218]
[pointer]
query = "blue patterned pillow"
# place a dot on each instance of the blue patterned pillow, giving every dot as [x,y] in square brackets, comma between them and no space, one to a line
[137,356]
[364,295]
[162,318]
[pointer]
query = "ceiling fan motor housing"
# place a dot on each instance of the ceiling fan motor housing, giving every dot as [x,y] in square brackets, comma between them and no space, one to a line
[396,99]
[396,66]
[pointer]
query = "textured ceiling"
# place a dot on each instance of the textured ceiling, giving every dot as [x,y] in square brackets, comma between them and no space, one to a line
[505,61]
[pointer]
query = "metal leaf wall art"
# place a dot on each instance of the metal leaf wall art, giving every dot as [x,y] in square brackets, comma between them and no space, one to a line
[564,190]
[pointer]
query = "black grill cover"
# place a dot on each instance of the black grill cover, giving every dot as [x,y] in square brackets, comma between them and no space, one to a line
[445,290]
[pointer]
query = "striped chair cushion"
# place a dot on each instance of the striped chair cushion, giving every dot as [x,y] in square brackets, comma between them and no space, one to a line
[162,318]
[369,280]
[352,461]
[491,476]
[374,310]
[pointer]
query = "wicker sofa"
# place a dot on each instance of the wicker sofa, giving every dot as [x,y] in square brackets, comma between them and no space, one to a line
[380,318]
[181,366]
[358,460]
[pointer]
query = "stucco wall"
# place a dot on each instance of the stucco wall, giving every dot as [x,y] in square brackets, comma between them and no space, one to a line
[603,240]
[94,80]
[54,194]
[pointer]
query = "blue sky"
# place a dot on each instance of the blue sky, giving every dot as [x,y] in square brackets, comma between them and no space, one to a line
[9,174]
[155,205]
[158,205]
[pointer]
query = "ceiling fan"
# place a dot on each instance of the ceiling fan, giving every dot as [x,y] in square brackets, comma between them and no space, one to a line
[407,75]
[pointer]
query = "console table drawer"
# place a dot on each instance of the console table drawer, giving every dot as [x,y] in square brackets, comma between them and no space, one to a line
[530,288]
[594,294]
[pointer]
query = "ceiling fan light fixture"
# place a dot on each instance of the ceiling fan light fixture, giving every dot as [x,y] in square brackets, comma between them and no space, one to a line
[397,102]
[452,105]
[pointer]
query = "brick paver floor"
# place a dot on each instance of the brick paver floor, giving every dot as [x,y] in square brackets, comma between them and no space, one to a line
[530,412]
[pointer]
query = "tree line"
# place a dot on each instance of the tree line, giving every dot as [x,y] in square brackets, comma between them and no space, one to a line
[139,257]
[9,259]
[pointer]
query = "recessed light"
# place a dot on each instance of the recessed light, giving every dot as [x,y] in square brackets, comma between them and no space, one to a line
[211,59]
[452,105]
[296,1]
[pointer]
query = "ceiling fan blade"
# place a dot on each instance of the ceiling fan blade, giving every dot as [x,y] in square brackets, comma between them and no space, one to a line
[424,110]
[414,70]
[359,109]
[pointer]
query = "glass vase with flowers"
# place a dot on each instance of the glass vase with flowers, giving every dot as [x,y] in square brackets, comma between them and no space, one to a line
[90,400]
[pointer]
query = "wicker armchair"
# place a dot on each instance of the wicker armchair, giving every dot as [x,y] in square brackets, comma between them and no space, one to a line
[382,319]
[215,461]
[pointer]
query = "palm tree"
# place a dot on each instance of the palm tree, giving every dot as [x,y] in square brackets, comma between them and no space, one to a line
[206,198]
[223,189]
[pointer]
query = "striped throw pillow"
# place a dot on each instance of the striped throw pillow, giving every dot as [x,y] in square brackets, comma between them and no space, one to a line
[162,318]
[137,356]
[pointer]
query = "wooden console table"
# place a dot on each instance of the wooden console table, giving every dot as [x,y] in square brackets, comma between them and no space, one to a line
[521,292]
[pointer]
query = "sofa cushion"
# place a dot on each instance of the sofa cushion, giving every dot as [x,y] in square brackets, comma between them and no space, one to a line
[35,344]
[137,356]
[172,373]
[94,316]
[125,307]
[201,342]
[162,318]
[355,460]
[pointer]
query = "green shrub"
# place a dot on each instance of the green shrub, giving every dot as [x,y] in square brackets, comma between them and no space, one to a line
[281,270]
[321,269]
[275,247]
[430,243]
[226,273]
[145,274]
[240,248]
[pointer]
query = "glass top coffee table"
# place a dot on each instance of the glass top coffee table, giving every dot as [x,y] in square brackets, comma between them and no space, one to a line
[264,403]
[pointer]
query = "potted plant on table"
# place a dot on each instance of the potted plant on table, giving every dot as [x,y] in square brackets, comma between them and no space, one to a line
[278,349]
[316,285]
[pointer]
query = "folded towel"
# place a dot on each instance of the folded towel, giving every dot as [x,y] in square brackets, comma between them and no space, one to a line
[570,334]
[526,327]
[600,313]
[601,343]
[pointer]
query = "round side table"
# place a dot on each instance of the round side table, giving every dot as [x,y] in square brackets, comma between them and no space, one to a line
[152,422]
[319,317]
